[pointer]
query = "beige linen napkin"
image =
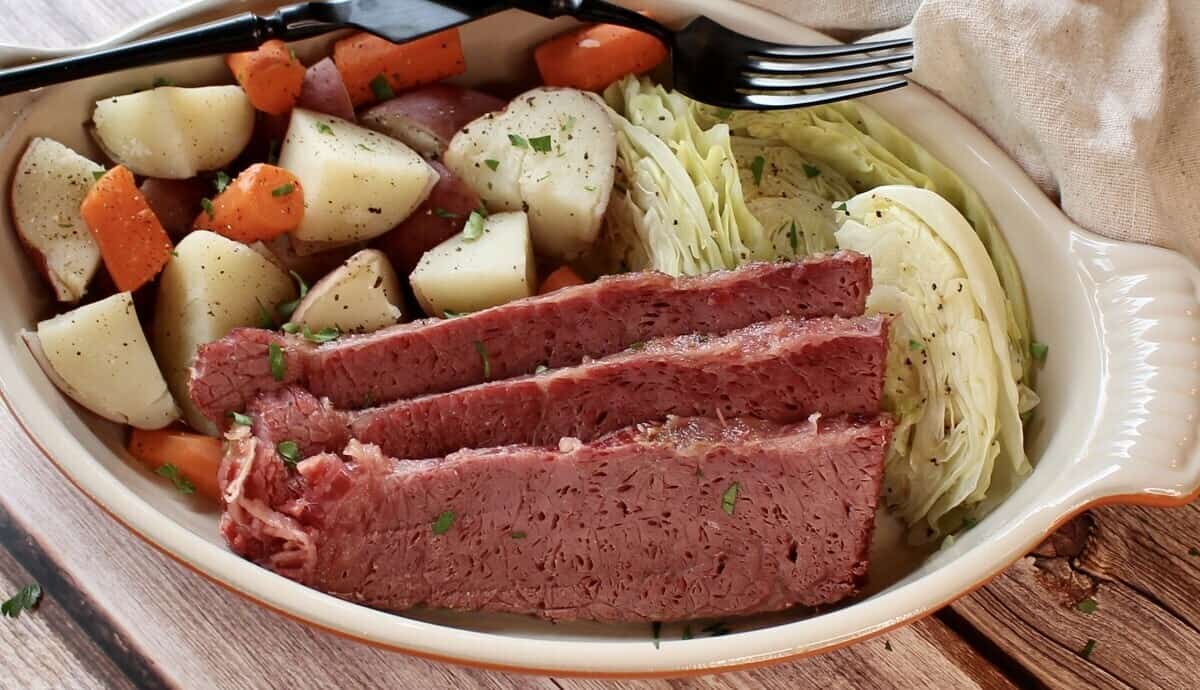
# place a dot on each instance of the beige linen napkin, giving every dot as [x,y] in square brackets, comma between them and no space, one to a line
[1098,100]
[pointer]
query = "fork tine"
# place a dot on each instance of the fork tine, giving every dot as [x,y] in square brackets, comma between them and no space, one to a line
[754,82]
[766,101]
[818,66]
[776,50]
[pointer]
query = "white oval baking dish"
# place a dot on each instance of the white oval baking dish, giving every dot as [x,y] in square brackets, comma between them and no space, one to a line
[1119,413]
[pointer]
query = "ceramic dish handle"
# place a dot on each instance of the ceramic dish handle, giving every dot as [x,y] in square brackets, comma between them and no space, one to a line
[1148,311]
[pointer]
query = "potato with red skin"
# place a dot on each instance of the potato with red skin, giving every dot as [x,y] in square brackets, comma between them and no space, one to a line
[325,92]
[439,218]
[175,202]
[427,119]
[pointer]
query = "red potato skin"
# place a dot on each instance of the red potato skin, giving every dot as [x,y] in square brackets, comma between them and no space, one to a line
[175,202]
[425,228]
[325,92]
[439,110]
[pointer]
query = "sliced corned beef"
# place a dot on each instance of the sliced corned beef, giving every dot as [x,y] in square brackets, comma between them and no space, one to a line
[690,518]
[555,330]
[780,370]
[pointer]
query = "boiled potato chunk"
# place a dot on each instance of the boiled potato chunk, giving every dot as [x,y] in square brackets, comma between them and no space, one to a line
[361,296]
[462,275]
[358,184]
[211,286]
[98,355]
[553,153]
[175,132]
[47,189]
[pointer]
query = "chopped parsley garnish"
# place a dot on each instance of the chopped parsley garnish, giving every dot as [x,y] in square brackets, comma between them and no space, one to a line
[221,181]
[1088,605]
[541,144]
[969,522]
[473,230]
[207,205]
[381,88]
[916,345]
[182,484]
[483,356]
[443,522]
[289,451]
[492,163]
[273,151]
[729,498]
[517,534]
[518,141]
[447,314]
[97,174]
[364,147]
[283,189]
[724,114]
[810,171]
[482,210]
[26,599]
[290,327]
[324,128]
[278,366]
[240,419]
[1039,350]
[756,169]
[569,123]
[1088,648]
[443,213]
[656,631]
[325,335]
[286,309]
[840,207]
[265,320]
[541,369]
[794,238]
[163,81]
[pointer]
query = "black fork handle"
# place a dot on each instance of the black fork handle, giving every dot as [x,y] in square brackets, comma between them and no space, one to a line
[597,11]
[238,33]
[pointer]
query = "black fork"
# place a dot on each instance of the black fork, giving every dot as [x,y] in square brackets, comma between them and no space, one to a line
[711,64]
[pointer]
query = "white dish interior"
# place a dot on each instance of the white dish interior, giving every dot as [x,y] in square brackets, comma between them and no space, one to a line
[1118,415]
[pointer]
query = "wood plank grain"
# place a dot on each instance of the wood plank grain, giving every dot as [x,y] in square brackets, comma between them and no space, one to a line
[45,648]
[1134,563]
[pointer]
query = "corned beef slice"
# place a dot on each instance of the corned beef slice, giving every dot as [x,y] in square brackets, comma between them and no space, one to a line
[556,330]
[691,518]
[780,370]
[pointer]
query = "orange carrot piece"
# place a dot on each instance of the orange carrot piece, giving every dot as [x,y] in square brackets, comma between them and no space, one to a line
[265,201]
[271,76]
[561,277]
[196,457]
[592,57]
[363,59]
[132,241]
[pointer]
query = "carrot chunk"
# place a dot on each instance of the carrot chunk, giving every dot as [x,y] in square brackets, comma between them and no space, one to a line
[560,278]
[373,68]
[132,241]
[592,57]
[271,76]
[196,458]
[265,201]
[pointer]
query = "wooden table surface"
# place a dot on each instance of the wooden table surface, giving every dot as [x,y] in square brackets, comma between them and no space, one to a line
[119,614]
